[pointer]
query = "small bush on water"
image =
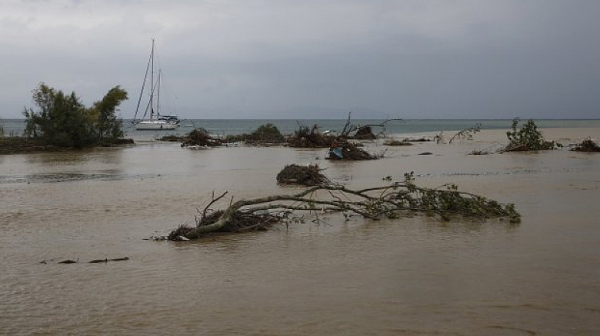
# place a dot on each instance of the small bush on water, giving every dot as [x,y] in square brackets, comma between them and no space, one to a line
[264,133]
[528,138]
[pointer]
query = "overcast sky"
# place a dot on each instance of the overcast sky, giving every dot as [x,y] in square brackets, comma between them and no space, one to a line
[312,59]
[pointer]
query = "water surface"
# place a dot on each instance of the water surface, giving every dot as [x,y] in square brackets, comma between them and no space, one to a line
[411,276]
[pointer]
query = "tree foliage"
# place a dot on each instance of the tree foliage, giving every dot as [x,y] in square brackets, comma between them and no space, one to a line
[107,125]
[62,120]
[528,138]
[267,133]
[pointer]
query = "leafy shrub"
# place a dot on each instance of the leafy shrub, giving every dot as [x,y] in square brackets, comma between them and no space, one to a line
[528,138]
[264,133]
[268,132]
[62,120]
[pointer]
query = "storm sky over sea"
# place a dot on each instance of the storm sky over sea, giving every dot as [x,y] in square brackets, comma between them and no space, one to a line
[312,59]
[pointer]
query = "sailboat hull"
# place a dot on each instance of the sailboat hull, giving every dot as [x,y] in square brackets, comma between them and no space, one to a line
[154,125]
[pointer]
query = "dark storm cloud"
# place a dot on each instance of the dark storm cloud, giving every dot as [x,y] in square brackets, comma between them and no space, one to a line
[294,59]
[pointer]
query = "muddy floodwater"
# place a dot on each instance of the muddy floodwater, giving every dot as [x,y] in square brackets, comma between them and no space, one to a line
[392,277]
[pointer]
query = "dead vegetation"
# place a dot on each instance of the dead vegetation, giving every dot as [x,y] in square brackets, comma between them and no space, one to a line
[309,175]
[305,137]
[466,134]
[345,150]
[586,146]
[396,200]
[364,133]
[200,137]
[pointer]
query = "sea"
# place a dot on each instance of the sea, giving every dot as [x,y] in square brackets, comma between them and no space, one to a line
[223,127]
[321,275]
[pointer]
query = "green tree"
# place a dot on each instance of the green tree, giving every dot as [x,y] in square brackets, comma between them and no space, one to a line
[267,132]
[62,120]
[528,138]
[103,114]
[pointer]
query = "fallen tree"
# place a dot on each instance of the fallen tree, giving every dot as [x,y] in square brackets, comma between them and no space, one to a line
[390,201]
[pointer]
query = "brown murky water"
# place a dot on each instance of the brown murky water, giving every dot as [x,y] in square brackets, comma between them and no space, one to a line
[409,276]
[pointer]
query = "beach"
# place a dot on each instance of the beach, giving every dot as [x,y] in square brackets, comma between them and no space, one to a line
[407,276]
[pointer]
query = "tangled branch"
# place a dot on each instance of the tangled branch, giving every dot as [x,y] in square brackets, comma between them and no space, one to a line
[390,201]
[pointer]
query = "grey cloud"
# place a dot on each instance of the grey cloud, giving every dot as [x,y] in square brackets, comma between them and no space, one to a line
[411,59]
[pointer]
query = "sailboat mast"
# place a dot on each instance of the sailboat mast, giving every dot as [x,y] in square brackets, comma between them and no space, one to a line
[152,80]
[158,94]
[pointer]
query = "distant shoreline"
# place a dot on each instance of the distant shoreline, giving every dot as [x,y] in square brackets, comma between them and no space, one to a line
[22,145]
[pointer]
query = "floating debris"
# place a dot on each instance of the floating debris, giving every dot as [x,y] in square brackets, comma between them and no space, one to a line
[587,146]
[309,175]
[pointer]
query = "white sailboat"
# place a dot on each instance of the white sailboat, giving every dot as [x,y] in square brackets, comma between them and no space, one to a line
[155,120]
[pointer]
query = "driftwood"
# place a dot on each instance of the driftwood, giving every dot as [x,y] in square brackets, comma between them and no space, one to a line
[390,201]
[95,261]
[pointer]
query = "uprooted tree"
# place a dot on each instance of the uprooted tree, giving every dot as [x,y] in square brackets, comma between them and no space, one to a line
[390,201]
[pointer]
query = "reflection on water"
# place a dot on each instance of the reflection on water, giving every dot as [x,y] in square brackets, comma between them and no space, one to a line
[410,276]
